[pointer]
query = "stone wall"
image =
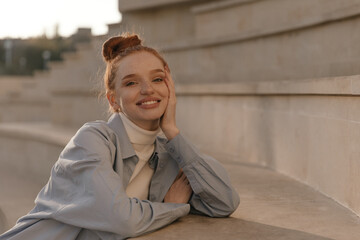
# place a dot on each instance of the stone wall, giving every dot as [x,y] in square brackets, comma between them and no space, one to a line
[308,130]
[31,149]
[252,40]
[242,67]
[24,98]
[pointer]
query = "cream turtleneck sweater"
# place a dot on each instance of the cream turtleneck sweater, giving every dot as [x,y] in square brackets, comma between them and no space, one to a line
[143,142]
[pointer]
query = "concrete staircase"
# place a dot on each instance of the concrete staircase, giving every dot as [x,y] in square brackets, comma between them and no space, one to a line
[277,73]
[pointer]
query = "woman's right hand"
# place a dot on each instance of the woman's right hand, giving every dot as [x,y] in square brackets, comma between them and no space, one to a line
[180,191]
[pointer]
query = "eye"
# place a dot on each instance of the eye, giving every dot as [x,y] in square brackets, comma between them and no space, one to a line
[159,79]
[130,83]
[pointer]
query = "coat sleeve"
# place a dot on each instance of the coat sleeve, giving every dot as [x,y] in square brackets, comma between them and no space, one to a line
[213,193]
[84,191]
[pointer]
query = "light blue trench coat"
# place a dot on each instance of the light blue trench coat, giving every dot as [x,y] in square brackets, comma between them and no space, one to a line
[85,196]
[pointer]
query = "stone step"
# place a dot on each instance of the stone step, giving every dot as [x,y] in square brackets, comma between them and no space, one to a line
[253,18]
[83,46]
[40,144]
[80,69]
[23,173]
[272,207]
[54,65]
[68,56]
[17,195]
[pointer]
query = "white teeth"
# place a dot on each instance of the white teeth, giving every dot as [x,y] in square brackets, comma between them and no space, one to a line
[149,102]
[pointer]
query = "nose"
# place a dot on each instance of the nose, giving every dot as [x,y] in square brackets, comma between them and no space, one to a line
[146,88]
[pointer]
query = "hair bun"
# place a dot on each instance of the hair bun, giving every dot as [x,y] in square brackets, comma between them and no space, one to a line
[113,46]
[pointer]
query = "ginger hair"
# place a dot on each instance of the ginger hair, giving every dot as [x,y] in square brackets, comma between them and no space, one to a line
[116,48]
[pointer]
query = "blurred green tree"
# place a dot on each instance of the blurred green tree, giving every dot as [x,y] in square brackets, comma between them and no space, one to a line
[28,55]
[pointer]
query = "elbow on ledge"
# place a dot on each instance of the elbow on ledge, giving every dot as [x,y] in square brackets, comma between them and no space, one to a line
[227,208]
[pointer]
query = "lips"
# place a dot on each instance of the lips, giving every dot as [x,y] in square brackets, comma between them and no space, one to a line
[148,101]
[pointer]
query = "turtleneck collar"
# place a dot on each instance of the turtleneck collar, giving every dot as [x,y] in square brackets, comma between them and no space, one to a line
[138,135]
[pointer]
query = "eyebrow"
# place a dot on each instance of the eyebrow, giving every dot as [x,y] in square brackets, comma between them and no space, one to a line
[156,70]
[134,75]
[129,76]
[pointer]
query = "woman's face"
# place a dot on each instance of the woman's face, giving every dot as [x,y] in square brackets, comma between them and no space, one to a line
[140,89]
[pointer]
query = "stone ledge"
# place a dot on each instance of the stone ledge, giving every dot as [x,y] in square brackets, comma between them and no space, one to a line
[348,11]
[26,101]
[42,132]
[134,5]
[17,195]
[3,222]
[345,85]
[68,91]
[200,227]
[218,5]
[272,207]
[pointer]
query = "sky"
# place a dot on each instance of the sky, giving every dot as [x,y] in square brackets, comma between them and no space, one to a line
[31,18]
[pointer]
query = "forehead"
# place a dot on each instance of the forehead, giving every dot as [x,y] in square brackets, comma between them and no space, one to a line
[138,63]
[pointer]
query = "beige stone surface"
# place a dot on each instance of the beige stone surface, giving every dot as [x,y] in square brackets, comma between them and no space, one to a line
[17,195]
[162,26]
[272,207]
[12,84]
[308,134]
[24,98]
[27,154]
[256,18]
[352,195]
[133,5]
[17,111]
[75,87]
[281,40]
[310,53]
[76,108]
[32,148]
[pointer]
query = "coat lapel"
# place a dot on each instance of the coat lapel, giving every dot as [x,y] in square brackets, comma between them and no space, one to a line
[165,173]
[166,168]
[126,159]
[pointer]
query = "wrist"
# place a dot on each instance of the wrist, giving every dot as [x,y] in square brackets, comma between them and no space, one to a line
[171,133]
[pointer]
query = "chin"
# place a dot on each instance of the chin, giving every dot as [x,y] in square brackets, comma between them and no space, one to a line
[152,118]
[156,115]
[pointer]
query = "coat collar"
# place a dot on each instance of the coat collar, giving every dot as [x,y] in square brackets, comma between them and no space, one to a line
[116,124]
[127,150]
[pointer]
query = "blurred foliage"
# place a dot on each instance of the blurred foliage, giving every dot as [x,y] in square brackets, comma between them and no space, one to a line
[32,54]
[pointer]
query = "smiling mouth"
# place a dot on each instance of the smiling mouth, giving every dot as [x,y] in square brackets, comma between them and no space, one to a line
[148,102]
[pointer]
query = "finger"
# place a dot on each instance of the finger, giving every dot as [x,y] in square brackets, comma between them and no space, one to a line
[167,85]
[171,91]
[183,177]
[169,79]
[187,181]
[189,189]
[179,174]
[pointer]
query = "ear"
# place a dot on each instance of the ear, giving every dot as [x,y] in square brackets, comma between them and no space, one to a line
[112,101]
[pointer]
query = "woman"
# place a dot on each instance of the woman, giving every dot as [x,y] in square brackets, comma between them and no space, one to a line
[118,179]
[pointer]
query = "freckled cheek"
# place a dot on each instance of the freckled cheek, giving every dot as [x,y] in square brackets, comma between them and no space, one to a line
[165,103]
[164,92]
[125,100]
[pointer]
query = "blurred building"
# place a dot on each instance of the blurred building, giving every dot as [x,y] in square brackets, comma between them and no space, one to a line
[24,56]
